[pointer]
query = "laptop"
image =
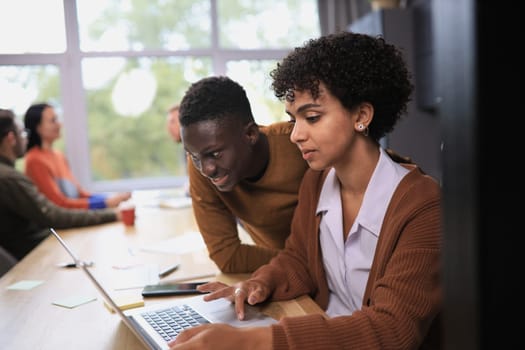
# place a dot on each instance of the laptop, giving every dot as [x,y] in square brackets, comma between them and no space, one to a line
[156,324]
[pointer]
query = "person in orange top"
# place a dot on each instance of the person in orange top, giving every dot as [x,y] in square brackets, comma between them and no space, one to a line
[49,168]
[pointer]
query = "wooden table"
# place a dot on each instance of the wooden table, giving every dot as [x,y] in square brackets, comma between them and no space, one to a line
[29,320]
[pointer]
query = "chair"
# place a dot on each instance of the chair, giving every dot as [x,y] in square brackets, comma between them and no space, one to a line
[7,261]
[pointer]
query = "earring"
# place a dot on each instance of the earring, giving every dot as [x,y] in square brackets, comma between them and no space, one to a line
[360,126]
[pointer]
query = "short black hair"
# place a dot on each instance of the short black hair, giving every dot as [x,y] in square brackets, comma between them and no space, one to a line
[7,122]
[215,98]
[355,68]
[32,119]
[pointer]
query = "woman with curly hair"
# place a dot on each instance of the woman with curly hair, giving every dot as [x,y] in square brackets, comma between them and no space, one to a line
[365,239]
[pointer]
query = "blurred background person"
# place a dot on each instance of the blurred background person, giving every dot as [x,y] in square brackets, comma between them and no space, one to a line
[25,213]
[172,123]
[49,168]
[173,127]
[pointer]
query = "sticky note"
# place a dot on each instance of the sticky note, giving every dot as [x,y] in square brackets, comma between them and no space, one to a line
[125,302]
[24,285]
[74,301]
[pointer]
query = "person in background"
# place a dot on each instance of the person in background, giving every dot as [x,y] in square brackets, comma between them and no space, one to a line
[173,127]
[172,123]
[49,169]
[365,241]
[25,213]
[240,172]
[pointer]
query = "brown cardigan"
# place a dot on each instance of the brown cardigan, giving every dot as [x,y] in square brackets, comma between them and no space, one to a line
[402,299]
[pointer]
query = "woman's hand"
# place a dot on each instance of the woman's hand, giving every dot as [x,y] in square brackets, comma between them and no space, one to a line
[219,336]
[114,200]
[250,291]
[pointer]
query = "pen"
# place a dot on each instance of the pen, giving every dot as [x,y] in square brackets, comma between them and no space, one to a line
[71,265]
[169,270]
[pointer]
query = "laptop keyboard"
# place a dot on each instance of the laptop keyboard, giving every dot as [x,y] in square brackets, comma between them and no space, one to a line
[171,321]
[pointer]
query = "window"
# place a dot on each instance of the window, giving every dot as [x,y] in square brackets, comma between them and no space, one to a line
[112,68]
[29,26]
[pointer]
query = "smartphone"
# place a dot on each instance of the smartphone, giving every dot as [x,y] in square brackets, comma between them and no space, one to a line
[156,290]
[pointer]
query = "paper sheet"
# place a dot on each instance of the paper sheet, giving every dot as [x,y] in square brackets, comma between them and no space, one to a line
[136,276]
[187,243]
[175,203]
[74,301]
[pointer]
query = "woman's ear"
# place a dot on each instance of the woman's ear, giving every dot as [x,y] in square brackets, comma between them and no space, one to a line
[365,114]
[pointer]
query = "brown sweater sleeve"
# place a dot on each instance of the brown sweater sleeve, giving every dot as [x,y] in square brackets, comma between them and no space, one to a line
[218,227]
[298,278]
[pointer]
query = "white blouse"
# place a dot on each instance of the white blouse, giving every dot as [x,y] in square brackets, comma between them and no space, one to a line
[347,264]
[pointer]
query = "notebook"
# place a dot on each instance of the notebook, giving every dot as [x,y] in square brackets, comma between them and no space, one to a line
[173,316]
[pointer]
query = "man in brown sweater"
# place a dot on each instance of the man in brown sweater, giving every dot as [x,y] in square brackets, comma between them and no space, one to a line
[25,213]
[240,173]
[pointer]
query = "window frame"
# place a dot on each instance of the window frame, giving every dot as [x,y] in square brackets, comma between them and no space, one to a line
[73,96]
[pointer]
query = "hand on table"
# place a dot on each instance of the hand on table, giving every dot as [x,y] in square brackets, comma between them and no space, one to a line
[219,336]
[114,200]
[249,291]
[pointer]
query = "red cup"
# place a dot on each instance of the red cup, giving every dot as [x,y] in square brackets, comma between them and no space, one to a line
[128,215]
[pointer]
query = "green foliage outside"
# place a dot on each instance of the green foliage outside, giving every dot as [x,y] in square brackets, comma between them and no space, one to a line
[138,146]
[125,147]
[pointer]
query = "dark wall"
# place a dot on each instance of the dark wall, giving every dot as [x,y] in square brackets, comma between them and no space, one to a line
[468,66]
[456,79]
[467,63]
[479,79]
[417,135]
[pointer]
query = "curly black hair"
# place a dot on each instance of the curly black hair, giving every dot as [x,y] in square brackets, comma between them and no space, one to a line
[215,98]
[355,68]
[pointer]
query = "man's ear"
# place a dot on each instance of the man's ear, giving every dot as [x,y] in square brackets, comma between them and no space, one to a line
[11,138]
[251,132]
[8,141]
